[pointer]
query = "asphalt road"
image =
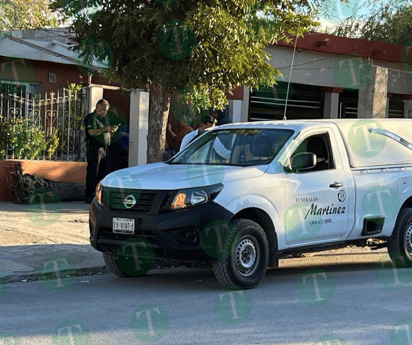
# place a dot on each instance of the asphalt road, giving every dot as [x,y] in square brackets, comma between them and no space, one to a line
[356,302]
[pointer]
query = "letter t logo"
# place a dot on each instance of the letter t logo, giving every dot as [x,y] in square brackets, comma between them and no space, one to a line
[301,218]
[407,330]
[315,283]
[232,302]
[7,340]
[69,332]
[149,319]
[56,268]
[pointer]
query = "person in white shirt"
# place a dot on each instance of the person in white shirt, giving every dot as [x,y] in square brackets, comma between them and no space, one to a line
[207,121]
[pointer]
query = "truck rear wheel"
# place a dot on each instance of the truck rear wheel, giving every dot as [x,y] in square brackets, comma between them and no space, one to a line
[400,244]
[111,262]
[246,266]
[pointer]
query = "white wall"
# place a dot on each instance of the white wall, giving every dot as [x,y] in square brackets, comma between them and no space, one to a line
[315,68]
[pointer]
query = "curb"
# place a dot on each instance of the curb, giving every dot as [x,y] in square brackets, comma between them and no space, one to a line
[80,273]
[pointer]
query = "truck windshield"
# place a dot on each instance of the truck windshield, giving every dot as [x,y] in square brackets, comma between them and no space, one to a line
[241,147]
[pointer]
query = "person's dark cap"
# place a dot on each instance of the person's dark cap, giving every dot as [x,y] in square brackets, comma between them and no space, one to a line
[207,118]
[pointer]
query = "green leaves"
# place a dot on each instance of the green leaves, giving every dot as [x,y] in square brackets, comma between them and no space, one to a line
[26,140]
[388,23]
[26,14]
[223,49]
[204,47]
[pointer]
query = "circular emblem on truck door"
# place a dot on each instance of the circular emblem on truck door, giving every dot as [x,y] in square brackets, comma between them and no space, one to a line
[129,201]
[342,196]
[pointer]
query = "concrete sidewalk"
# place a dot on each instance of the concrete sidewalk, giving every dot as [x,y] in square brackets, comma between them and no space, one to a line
[30,238]
[18,262]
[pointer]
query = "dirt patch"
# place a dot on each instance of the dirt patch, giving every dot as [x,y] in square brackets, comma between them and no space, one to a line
[12,237]
[19,227]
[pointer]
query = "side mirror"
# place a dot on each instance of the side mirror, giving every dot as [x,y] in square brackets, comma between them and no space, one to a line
[303,161]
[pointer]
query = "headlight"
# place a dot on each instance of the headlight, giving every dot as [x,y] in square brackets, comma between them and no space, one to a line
[98,193]
[195,196]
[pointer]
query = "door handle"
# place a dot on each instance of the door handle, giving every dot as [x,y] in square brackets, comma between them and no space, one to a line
[336,185]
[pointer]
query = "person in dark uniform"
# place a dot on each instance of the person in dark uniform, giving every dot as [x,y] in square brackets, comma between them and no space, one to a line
[119,149]
[98,137]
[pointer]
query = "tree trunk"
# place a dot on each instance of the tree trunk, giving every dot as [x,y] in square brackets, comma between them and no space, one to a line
[160,99]
[22,186]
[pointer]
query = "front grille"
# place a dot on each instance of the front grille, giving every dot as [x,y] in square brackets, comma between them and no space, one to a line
[107,234]
[144,200]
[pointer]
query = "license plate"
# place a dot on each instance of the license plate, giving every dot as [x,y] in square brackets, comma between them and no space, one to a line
[123,226]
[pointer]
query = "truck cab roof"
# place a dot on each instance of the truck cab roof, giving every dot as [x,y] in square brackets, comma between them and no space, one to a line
[369,142]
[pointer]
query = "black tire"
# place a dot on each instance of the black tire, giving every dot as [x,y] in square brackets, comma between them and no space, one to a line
[400,244]
[111,262]
[231,271]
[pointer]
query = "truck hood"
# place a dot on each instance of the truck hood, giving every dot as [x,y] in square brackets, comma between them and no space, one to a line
[162,176]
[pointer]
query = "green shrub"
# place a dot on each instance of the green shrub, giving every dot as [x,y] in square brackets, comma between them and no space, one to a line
[25,139]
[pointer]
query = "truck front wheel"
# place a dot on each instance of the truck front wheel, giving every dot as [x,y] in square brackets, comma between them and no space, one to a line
[400,244]
[111,262]
[247,262]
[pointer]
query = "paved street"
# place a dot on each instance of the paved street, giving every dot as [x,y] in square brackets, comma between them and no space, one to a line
[356,302]
[352,295]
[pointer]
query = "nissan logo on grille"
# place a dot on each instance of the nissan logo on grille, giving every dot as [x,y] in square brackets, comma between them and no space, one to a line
[129,201]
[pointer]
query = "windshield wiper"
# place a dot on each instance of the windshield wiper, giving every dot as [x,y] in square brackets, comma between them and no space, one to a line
[391,135]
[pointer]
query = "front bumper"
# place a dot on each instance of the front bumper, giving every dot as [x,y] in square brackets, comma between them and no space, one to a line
[174,235]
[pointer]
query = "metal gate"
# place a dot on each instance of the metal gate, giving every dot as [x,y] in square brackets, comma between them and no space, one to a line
[43,126]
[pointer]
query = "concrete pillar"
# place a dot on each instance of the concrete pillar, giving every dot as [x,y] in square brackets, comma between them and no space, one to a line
[407,106]
[95,93]
[373,98]
[331,106]
[138,127]
[245,105]
[235,110]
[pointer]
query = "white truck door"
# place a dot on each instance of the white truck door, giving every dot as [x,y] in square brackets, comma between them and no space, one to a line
[317,206]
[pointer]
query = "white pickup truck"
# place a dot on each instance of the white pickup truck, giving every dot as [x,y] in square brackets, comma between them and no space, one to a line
[281,188]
